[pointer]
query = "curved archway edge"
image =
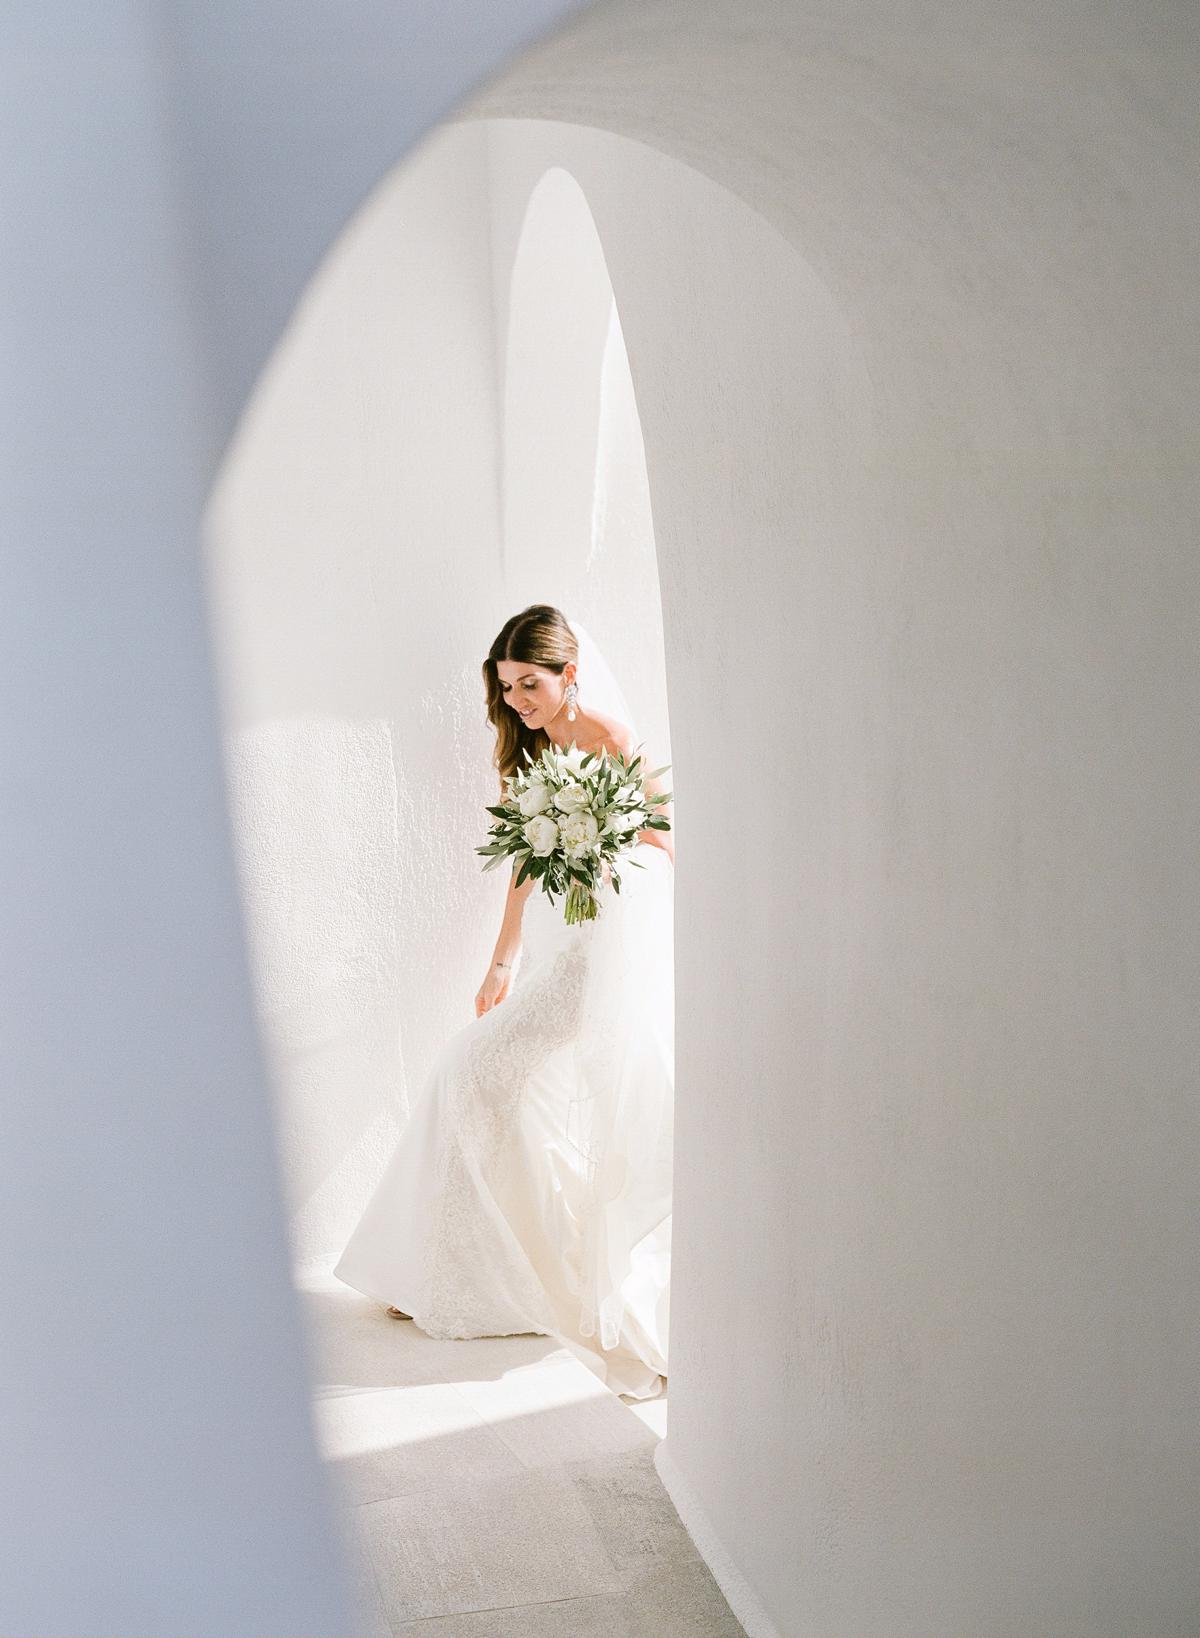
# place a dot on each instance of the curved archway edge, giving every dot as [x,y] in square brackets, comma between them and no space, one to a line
[999,897]
[176,172]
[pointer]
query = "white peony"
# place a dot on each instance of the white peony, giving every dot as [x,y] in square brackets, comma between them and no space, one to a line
[579,832]
[571,759]
[542,834]
[534,799]
[571,798]
[618,823]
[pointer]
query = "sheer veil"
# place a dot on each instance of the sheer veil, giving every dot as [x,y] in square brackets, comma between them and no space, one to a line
[598,686]
[624,1051]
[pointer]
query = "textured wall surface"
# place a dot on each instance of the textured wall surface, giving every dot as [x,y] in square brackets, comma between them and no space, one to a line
[171,173]
[917,362]
[374,524]
[915,346]
[355,563]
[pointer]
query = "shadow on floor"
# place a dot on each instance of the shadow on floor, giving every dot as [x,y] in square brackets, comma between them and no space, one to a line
[496,1488]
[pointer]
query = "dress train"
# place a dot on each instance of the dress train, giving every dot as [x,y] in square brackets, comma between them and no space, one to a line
[531,1189]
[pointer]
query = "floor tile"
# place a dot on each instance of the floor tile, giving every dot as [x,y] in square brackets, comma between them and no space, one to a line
[633,1515]
[386,1442]
[556,1408]
[651,1412]
[689,1605]
[525,1539]
[370,1617]
[495,1488]
[354,1343]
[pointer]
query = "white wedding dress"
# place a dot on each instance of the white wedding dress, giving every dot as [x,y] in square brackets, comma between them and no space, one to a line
[531,1189]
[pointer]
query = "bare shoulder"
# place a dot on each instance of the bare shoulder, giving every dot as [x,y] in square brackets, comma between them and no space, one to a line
[612,735]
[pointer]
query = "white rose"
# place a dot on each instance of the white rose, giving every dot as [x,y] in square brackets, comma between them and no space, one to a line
[533,799]
[579,832]
[619,823]
[571,798]
[542,834]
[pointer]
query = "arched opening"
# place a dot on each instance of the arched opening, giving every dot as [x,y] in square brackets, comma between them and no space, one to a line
[578,520]
[447,432]
[410,470]
[963,1004]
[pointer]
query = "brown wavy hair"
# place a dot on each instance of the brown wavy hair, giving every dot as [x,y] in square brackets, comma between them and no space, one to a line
[539,635]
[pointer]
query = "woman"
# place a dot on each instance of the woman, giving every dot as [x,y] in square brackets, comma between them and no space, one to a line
[531,1190]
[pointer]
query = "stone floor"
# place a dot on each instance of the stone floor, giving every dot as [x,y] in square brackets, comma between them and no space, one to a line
[496,1489]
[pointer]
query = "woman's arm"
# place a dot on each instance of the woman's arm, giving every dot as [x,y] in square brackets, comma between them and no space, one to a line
[660,838]
[654,787]
[498,981]
[508,945]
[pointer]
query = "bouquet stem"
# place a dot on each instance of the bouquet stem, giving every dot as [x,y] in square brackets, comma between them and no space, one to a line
[581,904]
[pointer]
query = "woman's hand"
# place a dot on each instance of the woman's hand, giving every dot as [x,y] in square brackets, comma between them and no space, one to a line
[493,989]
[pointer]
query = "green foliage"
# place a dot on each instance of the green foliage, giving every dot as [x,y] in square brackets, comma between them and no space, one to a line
[604,775]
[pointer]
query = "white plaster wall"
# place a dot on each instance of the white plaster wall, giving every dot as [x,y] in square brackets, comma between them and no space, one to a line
[170,171]
[358,576]
[938,1141]
[355,564]
[579,524]
[916,429]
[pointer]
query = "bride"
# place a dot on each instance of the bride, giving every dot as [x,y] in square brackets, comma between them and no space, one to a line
[531,1189]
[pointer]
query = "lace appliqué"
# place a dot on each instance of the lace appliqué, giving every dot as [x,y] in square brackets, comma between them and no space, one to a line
[479,1279]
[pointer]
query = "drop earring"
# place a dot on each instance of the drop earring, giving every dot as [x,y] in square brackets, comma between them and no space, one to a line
[572,691]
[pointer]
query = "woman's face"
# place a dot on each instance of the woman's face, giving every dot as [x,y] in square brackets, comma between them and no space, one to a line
[534,693]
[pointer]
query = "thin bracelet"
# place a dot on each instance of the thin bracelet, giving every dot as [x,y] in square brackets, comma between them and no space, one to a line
[501,964]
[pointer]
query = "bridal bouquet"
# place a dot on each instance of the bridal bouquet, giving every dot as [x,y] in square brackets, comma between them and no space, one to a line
[567,815]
